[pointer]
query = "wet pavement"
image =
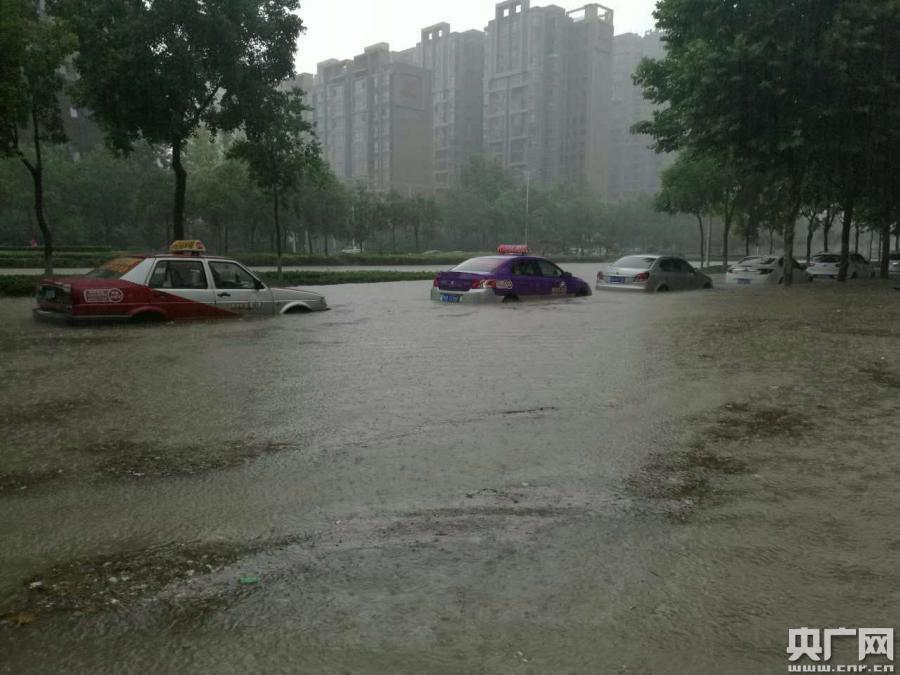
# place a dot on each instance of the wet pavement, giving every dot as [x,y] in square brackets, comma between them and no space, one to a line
[623,483]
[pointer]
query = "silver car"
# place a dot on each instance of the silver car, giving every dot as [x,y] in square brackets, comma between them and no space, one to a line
[828,266]
[652,273]
[767,270]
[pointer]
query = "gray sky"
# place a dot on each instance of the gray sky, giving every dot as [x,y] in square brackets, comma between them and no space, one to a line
[341,28]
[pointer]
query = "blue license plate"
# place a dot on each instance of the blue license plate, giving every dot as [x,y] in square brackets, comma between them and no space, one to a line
[617,280]
[450,298]
[744,282]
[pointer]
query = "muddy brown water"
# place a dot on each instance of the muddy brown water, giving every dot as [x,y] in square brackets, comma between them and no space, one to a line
[622,483]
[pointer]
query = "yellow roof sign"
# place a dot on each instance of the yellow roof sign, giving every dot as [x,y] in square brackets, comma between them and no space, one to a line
[187,246]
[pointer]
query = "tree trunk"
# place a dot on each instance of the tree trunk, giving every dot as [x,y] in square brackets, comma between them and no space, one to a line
[416,236]
[856,243]
[37,178]
[180,189]
[325,243]
[771,240]
[810,233]
[702,240]
[788,261]
[884,272]
[393,237]
[309,241]
[845,239]
[276,198]
[726,233]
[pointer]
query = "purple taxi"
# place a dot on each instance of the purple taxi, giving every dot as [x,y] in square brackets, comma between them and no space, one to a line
[512,275]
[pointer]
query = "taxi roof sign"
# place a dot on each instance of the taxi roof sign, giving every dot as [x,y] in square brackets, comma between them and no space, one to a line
[194,246]
[513,249]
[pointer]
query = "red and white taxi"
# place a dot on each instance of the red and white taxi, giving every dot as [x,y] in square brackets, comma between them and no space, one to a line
[183,284]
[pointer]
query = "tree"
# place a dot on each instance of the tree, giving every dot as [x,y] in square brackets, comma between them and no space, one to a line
[687,188]
[33,49]
[277,149]
[159,69]
[749,80]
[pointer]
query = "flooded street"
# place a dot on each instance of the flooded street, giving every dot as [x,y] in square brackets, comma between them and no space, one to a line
[625,483]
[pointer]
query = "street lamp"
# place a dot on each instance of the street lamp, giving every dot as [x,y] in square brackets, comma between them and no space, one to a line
[527,195]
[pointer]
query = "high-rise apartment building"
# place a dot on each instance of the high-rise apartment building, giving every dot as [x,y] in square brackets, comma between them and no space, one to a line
[548,82]
[373,116]
[634,167]
[456,63]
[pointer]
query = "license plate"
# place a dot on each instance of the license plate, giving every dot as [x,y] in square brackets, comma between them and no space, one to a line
[617,280]
[744,282]
[450,298]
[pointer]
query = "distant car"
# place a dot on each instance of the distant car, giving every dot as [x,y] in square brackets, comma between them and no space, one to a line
[180,285]
[894,266]
[828,265]
[652,273]
[512,275]
[351,250]
[432,252]
[764,270]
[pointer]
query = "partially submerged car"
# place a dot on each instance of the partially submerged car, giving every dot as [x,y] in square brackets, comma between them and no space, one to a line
[828,266]
[766,270]
[180,285]
[652,273]
[511,275]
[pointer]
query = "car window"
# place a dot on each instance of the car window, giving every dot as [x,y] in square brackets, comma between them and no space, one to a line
[827,258]
[478,265]
[635,262]
[182,274]
[115,269]
[526,268]
[668,265]
[548,269]
[231,275]
[685,267]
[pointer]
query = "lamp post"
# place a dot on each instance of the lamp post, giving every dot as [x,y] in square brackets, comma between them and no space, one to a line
[527,195]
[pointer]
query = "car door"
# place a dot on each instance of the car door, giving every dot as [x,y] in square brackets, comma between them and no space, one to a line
[688,276]
[238,291]
[668,274]
[553,281]
[527,280]
[181,289]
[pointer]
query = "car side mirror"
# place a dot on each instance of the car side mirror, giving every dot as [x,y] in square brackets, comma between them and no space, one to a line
[260,286]
[567,275]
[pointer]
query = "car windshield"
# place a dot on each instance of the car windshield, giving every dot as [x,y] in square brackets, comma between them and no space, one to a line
[827,258]
[478,265]
[636,262]
[114,269]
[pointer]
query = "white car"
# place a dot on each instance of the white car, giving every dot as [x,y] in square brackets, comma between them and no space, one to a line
[894,266]
[652,273]
[763,270]
[828,265]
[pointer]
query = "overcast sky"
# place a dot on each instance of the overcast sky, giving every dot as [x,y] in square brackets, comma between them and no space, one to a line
[341,28]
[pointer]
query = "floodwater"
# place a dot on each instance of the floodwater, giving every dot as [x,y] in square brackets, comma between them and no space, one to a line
[624,483]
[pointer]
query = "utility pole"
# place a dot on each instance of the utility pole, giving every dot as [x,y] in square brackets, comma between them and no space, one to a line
[527,195]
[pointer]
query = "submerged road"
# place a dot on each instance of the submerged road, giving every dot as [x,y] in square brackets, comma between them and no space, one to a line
[623,483]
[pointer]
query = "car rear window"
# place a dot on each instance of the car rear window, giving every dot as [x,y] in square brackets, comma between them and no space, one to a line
[827,258]
[637,262]
[114,269]
[895,256]
[478,265]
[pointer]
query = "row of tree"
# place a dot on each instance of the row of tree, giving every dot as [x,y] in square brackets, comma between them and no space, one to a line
[123,202]
[155,73]
[780,109]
